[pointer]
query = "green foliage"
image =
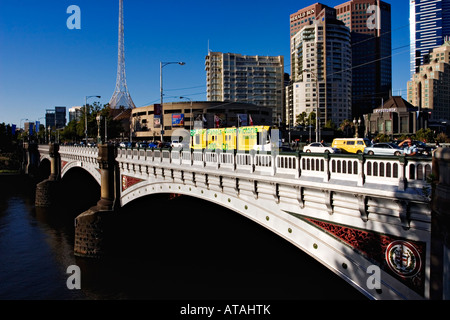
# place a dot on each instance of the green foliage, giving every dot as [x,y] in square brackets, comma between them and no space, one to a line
[383,138]
[442,138]
[425,135]
[304,119]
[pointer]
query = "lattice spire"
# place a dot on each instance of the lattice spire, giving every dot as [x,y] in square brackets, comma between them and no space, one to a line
[121,97]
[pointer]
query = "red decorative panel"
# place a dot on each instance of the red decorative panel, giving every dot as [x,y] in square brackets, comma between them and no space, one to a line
[63,164]
[129,181]
[401,258]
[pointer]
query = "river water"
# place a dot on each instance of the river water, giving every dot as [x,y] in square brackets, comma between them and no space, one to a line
[179,249]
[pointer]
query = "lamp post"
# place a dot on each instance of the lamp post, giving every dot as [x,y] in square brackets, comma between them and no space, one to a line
[161,66]
[85,116]
[99,139]
[317,102]
[357,124]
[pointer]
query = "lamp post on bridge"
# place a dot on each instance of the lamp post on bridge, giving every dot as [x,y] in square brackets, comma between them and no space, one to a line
[161,66]
[357,124]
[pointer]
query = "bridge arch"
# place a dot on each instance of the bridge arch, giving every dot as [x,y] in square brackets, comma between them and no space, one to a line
[335,255]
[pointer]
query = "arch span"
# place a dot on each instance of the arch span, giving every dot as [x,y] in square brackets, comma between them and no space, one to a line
[267,212]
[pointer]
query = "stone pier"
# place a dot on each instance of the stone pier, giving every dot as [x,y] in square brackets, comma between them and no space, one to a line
[93,227]
[48,191]
[440,250]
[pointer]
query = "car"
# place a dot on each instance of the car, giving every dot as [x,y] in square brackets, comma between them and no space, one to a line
[320,147]
[351,145]
[142,144]
[164,145]
[125,144]
[384,148]
[178,144]
[152,145]
[423,148]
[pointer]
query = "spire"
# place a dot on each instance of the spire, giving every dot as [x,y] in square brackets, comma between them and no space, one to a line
[121,97]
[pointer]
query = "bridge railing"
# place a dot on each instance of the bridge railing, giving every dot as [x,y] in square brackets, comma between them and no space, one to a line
[360,169]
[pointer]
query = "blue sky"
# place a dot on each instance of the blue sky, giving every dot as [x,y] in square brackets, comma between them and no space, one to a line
[43,64]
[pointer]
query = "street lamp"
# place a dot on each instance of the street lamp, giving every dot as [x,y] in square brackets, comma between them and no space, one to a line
[162,65]
[99,139]
[85,116]
[317,102]
[357,124]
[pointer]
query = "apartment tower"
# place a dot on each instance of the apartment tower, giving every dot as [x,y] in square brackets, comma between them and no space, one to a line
[321,62]
[258,80]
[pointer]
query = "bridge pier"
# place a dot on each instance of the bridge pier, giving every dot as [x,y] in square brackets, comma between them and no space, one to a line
[92,227]
[30,162]
[47,191]
[440,249]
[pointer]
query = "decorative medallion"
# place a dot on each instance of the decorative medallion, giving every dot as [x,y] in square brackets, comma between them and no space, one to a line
[129,182]
[403,259]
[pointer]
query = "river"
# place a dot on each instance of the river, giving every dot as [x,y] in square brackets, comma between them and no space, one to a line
[179,249]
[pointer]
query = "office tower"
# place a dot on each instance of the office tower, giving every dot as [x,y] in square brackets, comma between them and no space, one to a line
[121,97]
[75,113]
[258,80]
[429,25]
[370,24]
[430,86]
[55,118]
[320,65]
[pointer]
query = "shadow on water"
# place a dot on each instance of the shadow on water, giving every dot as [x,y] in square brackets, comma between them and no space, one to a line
[183,248]
[186,248]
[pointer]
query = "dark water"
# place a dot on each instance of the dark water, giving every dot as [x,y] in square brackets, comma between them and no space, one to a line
[183,249]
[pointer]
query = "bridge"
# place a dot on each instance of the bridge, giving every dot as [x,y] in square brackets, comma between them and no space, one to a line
[380,223]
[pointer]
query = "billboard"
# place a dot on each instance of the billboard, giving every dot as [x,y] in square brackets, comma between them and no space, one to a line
[178,120]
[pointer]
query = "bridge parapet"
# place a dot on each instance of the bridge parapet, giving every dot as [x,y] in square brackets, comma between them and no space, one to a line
[398,173]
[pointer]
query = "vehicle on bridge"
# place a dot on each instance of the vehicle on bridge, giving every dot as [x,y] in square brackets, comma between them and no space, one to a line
[351,145]
[246,138]
[384,148]
[320,147]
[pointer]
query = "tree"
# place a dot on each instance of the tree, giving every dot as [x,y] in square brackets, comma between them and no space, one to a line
[425,135]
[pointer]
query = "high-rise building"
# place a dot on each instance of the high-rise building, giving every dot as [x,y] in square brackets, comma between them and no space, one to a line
[430,86]
[56,118]
[258,80]
[429,25]
[75,113]
[370,24]
[320,65]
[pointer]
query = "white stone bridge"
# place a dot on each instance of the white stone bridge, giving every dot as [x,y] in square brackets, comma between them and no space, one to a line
[368,219]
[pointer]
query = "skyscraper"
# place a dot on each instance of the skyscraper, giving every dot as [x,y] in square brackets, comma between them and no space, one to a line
[429,25]
[429,88]
[121,97]
[370,24]
[320,65]
[257,80]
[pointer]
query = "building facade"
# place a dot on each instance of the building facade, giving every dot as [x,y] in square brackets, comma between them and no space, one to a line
[56,118]
[257,80]
[429,25]
[396,117]
[75,113]
[429,87]
[369,22]
[146,124]
[321,63]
